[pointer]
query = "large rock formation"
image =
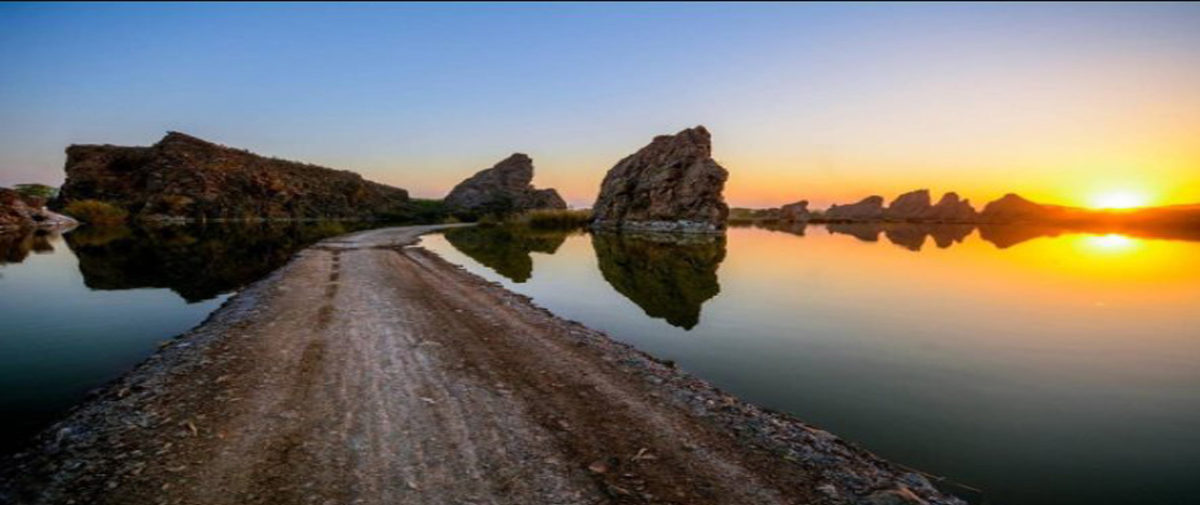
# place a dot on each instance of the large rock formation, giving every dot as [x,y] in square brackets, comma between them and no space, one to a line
[672,184]
[18,212]
[506,187]
[794,212]
[185,177]
[867,209]
[909,206]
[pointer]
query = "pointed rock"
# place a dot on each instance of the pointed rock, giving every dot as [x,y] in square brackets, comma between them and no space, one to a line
[504,188]
[909,206]
[950,209]
[672,184]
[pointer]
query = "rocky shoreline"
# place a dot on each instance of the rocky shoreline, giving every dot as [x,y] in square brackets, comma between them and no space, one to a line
[117,447]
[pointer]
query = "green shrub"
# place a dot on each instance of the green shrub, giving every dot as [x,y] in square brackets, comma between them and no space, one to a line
[41,191]
[95,212]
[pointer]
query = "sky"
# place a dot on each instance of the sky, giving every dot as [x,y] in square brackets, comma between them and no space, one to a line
[1077,104]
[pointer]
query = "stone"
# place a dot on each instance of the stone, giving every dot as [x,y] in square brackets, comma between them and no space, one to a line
[867,209]
[504,188]
[183,177]
[1011,208]
[670,185]
[910,206]
[794,212]
[18,212]
[950,209]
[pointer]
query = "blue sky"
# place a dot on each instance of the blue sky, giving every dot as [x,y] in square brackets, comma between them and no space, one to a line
[820,101]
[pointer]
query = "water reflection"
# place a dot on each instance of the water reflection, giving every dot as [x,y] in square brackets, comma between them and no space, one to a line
[1036,372]
[669,277]
[198,262]
[15,247]
[506,250]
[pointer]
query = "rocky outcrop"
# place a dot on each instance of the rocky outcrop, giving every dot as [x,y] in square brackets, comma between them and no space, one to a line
[19,212]
[794,212]
[184,177]
[909,206]
[505,188]
[672,184]
[867,209]
[950,209]
[1011,208]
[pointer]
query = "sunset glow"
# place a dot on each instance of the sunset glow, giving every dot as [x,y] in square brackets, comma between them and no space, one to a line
[1120,200]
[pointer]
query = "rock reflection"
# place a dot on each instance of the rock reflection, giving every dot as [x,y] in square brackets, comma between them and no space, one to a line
[908,236]
[669,277]
[16,246]
[506,250]
[198,262]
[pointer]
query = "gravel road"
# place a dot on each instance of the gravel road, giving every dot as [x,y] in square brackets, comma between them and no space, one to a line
[370,371]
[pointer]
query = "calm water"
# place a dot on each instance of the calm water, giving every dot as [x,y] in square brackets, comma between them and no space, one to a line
[1044,368]
[77,310]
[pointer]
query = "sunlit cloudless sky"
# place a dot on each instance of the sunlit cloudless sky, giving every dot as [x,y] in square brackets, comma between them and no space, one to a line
[1062,103]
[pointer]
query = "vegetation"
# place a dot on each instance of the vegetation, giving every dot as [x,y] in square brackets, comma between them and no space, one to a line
[555,219]
[41,191]
[96,212]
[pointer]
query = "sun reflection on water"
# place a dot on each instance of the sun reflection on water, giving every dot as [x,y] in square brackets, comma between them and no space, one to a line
[1112,243]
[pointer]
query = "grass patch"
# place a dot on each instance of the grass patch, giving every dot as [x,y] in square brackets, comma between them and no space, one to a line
[96,212]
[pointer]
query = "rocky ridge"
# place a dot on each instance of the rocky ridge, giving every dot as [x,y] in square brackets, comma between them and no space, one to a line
[183,177]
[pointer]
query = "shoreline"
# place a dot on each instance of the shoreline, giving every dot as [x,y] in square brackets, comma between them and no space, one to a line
[141,439]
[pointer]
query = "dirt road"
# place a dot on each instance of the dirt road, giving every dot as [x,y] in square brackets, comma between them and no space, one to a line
[369,372]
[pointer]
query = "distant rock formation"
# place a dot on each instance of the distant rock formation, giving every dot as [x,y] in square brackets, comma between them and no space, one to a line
[672,184]
[19,212]
[867,209]
[1011,208]
[669,277]
[909,206]
[185,177]
[505,188]
[950,209]
[794,212]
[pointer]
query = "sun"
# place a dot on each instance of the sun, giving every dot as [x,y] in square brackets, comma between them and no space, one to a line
[1119,200]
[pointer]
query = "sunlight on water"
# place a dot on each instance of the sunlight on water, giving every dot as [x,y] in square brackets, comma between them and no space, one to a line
[1043,366]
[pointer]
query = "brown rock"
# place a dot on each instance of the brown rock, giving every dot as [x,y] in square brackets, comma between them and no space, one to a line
[867,209]
[794,212]
[1014,209]
[186,177]
[672,184]
[504,188]
[909,206]
[950,210]
[19,212]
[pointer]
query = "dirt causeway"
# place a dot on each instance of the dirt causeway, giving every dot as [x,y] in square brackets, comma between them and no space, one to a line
[371,371]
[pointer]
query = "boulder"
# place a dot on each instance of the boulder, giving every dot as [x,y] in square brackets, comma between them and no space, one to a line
[670,185]
[506,187]
[867,209]
[794,212]
[910,206]
[950,209]
[185,177]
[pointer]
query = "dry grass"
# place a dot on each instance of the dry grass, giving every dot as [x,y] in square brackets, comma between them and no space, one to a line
[95,212]
[556,219]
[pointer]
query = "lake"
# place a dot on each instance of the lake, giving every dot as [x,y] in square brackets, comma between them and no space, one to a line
[1041,366]
[78,310]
